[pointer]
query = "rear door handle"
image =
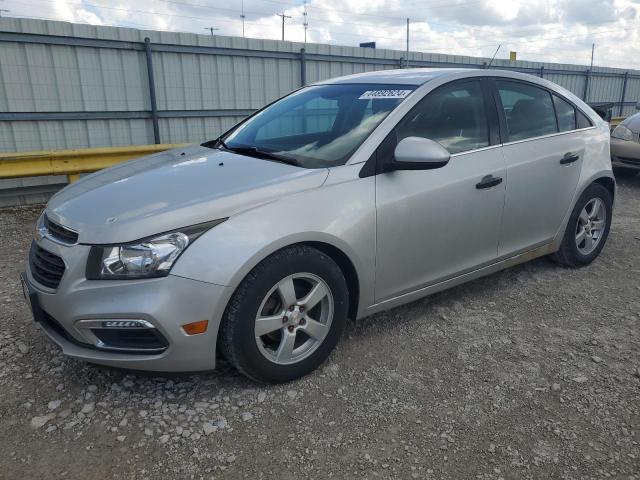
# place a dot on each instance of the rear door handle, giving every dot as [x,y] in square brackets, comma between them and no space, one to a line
[569,158]
[488,181]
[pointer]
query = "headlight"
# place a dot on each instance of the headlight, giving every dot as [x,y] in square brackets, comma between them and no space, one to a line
[622,132]
[147,258]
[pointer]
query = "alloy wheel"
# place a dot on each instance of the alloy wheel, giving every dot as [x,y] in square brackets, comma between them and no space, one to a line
[591,225]
[294,318]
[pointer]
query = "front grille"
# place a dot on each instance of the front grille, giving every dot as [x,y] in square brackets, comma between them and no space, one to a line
[46,268]
[131,339]
[60,233]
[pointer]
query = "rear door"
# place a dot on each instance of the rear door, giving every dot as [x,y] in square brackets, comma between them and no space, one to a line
[543,153]
[436,224]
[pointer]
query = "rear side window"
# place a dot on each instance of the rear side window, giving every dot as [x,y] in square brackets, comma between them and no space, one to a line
[583,121]
[566,114]
[528,109]
[453,115]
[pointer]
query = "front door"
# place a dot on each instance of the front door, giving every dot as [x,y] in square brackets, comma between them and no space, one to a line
[436,224]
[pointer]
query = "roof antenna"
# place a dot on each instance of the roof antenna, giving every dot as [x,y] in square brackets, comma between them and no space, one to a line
[494,56]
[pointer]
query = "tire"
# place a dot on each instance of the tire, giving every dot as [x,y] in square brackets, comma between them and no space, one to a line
[289,273]
[573,252]
[621,172]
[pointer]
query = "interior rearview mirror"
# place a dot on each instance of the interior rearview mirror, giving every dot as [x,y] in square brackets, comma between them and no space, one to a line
[417,153]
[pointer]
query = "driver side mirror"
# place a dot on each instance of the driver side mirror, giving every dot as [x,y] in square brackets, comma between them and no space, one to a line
[417,153]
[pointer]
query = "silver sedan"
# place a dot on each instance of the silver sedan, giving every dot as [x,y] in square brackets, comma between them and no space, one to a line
[342,199]
[625,147]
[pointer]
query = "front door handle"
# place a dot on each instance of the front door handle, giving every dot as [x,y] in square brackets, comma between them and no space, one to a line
[569,158]
[488,181]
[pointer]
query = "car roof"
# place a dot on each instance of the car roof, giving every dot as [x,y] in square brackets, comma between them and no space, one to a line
[408,76]
[420,76]
[416,77]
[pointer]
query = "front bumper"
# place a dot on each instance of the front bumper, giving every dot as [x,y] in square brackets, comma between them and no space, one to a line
[625,153]
[165,303]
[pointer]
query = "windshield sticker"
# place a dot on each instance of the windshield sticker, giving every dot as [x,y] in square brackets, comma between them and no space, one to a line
[377,94]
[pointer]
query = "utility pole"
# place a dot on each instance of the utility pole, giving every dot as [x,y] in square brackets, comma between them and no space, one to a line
[305,23]
[407,60]
[593,48]
[211,29]
[242,16]
[284,17]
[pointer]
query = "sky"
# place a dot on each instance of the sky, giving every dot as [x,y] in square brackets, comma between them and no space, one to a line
[538,30]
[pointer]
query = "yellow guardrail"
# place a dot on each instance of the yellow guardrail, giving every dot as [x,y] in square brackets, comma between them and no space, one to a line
[615,121]
[71,162]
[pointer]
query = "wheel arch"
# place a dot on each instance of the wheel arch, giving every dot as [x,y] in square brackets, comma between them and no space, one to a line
[609,183]
[604,178]
[348,270]
[337,254]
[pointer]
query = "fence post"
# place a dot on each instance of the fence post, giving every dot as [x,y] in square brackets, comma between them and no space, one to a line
[624,92]
[586,85]
[152,91]
[542,71]
[303,67]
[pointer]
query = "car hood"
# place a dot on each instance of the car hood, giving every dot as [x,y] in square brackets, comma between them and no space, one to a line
[171,190]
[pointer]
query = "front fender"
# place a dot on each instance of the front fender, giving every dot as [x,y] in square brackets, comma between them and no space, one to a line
[341,213]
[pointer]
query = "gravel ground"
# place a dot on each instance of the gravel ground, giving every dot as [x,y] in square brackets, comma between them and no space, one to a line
[533,372]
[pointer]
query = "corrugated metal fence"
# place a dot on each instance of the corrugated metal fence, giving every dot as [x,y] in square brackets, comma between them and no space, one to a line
[67,85]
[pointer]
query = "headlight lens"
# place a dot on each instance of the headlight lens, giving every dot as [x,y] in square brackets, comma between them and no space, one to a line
[144,259]
[148,258]
[622,132]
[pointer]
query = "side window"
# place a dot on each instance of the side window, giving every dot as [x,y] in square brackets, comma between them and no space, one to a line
[453,115]
[566,114]
[529,110]
[583,121]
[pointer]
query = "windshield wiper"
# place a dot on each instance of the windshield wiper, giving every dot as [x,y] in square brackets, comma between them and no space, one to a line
[217,143]
[256,152]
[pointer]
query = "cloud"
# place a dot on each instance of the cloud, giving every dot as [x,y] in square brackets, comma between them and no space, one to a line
[539,30]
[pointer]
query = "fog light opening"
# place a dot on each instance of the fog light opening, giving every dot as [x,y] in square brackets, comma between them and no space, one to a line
[196,328]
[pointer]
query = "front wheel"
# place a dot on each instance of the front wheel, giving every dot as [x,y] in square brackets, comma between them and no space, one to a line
[587,229]
[286,316]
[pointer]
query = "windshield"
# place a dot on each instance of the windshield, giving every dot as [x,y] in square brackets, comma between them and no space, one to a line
[318,126]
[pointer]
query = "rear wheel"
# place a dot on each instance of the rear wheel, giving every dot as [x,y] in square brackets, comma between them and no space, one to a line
[286,316]
[588,228]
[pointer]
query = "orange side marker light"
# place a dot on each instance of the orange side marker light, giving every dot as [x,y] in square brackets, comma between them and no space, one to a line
[195,328]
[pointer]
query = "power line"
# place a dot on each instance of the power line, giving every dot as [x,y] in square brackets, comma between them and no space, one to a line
[483,30]
[394,39]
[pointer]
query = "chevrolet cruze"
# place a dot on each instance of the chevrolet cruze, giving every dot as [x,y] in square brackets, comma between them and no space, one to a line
[342,199]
